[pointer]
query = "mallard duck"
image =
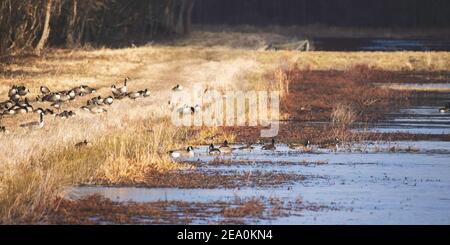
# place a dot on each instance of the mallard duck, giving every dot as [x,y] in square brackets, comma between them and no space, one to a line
[35,124]
[270,146]
[213,151]
[188,152]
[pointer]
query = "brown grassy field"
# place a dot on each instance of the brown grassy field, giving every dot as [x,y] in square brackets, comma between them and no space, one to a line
[131,140]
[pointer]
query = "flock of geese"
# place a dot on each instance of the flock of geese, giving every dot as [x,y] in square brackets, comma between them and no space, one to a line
[226,149]
[18,103]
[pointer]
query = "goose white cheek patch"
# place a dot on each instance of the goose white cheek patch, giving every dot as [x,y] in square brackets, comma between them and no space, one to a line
[200,107]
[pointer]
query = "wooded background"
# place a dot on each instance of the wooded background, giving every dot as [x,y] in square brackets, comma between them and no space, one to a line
[33,24]
[349,13]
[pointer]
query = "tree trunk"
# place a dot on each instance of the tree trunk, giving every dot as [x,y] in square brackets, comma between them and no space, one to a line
[179,26]
[46,31]
[70,39]
[187,23]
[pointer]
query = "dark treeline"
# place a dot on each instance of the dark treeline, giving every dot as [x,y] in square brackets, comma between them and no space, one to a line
[348,13]
[34,24]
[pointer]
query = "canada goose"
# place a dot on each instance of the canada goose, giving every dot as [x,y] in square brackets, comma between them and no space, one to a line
[144,93]
[331,144]
[225,148]
[15,97]
[3,130]
[95,101]
[13,91]
[189,152]
[39,110]
[186,110]
[48,111]
[82,143]
[79,91]
[123,90]
[134,95]
[445,109]
[247,147]
[213,151]
[72,94]
[9,112]
[64,97]
[44,90]
[87,89]
[114,90]
[21,110]
[66,114]
[177,88]
[270,146]
[52,97]
[57,104]
[22,90]
[44,111]
[35,124]
[301,146]
[197,108]
[8,104]
[94,109]
[108,100]
[23,103]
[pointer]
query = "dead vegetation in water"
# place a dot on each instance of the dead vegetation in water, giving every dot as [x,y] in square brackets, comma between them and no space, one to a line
[96,209]
[217,179]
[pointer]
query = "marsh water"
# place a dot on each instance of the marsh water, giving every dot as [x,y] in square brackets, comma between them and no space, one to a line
[398,182]
[380,44]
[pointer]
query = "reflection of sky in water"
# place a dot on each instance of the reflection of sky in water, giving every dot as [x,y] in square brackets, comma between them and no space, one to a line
[417,120]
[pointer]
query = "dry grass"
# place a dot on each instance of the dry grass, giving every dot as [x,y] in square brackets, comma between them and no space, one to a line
[343,116]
